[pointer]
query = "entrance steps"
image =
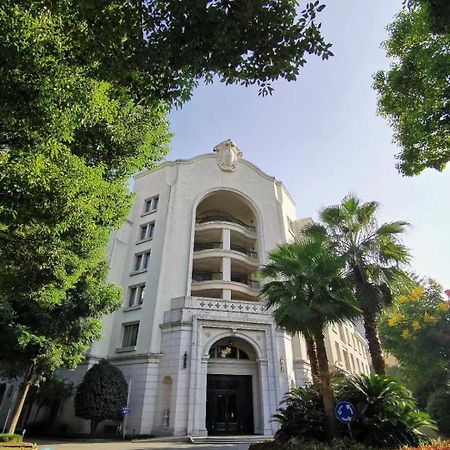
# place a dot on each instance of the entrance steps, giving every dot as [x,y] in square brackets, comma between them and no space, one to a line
[227,439]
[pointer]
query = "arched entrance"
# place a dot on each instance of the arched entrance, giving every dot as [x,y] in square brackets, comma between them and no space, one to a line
[231,387]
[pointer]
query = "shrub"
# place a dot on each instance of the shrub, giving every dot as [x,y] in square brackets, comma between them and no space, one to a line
[439,409]
[302,444]
[386,415]
[270,444]
[303,415]
[101,394]
[5,437]
[386,411]
[435,445]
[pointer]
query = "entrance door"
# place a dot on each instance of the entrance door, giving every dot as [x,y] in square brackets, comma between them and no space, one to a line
[229,404]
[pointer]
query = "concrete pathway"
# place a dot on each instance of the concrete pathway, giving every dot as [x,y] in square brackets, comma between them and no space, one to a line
[49,444]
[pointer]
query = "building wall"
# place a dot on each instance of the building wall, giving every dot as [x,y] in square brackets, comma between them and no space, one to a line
[168,365]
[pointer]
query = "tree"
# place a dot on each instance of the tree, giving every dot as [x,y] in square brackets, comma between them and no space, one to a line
[413,94]
[415,330]
[373,257]
[308,293]
[101,394]
[41,339]
[52,393]
[85,88]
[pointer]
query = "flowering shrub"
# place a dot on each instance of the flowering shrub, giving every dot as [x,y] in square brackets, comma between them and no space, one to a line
[433,446]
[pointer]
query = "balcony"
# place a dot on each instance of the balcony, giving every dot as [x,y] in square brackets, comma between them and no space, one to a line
[200,246]
[242,279]
[225,219]
[244,251]
[201,277]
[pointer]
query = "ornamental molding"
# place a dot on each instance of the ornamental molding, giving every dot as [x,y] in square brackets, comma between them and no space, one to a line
[228,155]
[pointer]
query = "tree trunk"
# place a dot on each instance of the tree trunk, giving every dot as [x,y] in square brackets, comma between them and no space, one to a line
[374,343]
[312,355]
[94,423]
[327,393]
[21,399]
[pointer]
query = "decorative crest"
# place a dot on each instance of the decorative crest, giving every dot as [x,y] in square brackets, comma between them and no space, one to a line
[228,155]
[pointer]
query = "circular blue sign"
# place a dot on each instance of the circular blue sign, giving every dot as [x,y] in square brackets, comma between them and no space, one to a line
[345,412]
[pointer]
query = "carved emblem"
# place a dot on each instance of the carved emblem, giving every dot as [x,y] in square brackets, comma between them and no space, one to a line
[228,155]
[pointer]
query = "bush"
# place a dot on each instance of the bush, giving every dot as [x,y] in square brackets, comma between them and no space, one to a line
[265,445]
[302,444]
[303,415]
[386,411]
[387,416]
[436,445]
[101,394]
[439,409]
[5,437]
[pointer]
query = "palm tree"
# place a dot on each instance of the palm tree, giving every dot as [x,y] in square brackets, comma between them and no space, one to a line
[308,293]
[374,257]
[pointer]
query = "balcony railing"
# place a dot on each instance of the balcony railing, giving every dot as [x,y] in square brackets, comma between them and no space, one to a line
[244,280]
[220,218]
[199,246]
[250,254]
[198,277]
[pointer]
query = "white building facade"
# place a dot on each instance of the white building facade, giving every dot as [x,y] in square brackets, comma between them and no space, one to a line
[193,339]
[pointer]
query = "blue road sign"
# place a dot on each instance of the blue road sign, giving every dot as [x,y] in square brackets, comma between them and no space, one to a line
[125,410]
[345,412]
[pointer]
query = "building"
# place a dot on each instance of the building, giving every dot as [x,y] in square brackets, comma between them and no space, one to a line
[197,346]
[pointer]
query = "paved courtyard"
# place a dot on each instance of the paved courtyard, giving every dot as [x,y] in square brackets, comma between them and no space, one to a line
[126,445]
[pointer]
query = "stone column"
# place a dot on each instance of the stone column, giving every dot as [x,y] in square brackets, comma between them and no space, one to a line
[200,399]
[266,400]
[226,238]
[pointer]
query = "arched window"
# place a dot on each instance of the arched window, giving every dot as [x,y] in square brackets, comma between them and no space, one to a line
[227,351]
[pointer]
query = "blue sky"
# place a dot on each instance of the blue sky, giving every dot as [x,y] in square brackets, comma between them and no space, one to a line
[321,136]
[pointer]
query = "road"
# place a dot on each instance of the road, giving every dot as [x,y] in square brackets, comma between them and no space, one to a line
[126,445]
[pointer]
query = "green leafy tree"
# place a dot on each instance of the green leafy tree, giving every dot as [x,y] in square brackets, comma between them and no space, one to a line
[85,88]
[52,393]
[415,330]
[101,394]
[373,257]
[414,93]
[308,293]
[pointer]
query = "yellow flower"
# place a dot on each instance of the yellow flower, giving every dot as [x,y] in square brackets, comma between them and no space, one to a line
[428,318]
[443,307]
[416,293]
[403,299]
[416,325]
[396,319]
[406,334]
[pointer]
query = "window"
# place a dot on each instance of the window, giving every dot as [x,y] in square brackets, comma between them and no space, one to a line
[338,352]
[136,295]
[347,361]
[141,261]
[227,352]
[291,226]
[341,333]
[2,391]
[146,231]
[151,204]
[130,333]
